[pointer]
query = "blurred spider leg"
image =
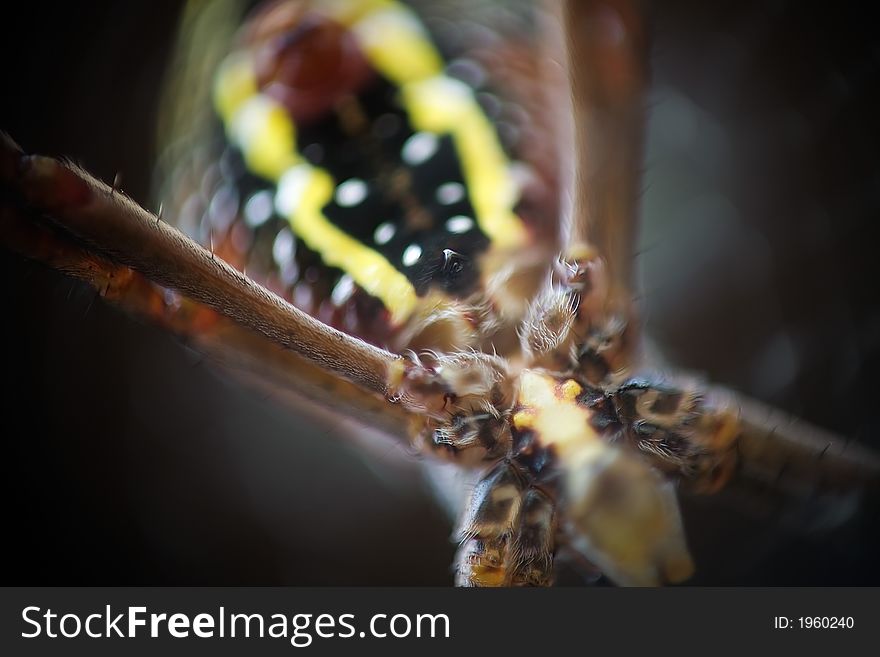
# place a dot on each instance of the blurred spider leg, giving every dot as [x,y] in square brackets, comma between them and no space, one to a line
[124,233]
[506,533]
[607,42]
[530,557]
[489,520]
[607,50]
[799,459]
[608,45]
[249,356]
[584,320]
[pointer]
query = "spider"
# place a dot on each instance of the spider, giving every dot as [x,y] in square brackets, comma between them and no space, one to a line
[571,357]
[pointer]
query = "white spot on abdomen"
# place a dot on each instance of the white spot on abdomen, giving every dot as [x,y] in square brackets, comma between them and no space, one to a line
[449,193]
[351,192]
[411,255]
[258,208]
[282,248]
[384,233]
[459,224]
[419,148]
[343,290]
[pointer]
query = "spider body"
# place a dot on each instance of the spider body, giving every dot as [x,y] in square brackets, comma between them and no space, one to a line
[368,187]
[361,176]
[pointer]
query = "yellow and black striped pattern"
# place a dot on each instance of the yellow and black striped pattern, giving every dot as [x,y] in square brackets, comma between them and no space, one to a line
[399,48]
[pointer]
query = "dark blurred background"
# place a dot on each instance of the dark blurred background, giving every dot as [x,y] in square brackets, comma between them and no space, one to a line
[130,462]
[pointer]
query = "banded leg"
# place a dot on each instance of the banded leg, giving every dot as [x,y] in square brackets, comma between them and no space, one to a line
[506,533]
[568,327]
[585,321]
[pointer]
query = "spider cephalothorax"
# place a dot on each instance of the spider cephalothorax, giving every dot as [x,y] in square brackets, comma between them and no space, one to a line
[565,440]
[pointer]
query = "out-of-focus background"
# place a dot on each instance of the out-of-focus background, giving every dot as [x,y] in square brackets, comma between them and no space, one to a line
[130,462]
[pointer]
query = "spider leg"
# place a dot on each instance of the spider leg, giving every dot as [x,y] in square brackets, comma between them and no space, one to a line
[506,533]
[607,44]
[112,225]
[244,353]
[584,322]
[710,438]
[584,318]
[798,459]
[98,234]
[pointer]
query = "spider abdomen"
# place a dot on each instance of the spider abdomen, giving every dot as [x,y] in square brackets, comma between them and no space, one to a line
[362,176]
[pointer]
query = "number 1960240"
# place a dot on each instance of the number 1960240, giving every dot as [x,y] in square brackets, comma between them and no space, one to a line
[814,622]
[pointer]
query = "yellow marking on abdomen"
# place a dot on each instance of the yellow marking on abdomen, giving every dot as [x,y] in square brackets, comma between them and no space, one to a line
[443,105]
[397,45]
[266,135]
[399,48]
[339,249]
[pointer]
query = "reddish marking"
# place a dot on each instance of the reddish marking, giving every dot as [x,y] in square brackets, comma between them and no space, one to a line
[308,63]
[60,187]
